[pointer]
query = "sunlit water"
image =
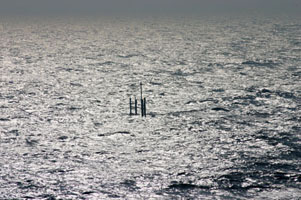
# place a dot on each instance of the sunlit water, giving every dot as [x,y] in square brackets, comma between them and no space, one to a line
[223,112]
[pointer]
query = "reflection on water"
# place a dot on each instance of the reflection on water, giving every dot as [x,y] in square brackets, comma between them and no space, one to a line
[223,109]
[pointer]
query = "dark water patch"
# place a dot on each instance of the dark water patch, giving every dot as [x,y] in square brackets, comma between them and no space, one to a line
[197,82]
[76,84]
[4,119]
[283,177]
[96,101]
[209,100]
[292,68]
[106,63]
[114,133]
[31,93]
[181,173]
[197,122]
[298,74]
[90,58]
[17,71]
[295,119]
[130,184]
[260,114]
[219,124]
[59,170]
[8,140]
[215,65]
[191,102]
[291,109]
[97,124]
[102,152]
[220,109]
[246,100]
[28,184]
[293,154]
[60,104]
[251,89]
[288,139]
[28,197]
[9,97]
[273,173]
[110,194]
[155,83]
[261,173]
[88,192]
[264,93]
[179,72]
[141,150]
[238,181]
[31,142]
[287,95]
[297,128]
[173,129]
[224,128]
[121,132]
[182,186]
[247,97]
[133,85]
[218,90]
[244,122]
[214,122]
[14,132]
[186,186]
[153,114]
[72,108]
[296,43]
[3,107]
[101,64]
[61,98]
[64,69]
[149,91]
[266,63]
[47,196]
[63,137]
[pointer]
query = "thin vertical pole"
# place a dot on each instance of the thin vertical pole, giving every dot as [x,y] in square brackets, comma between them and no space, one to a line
[136,113]
[131,106]
[142,104]
[141,90]
[144,107]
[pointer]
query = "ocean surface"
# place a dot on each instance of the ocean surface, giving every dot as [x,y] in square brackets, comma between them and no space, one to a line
[223,108]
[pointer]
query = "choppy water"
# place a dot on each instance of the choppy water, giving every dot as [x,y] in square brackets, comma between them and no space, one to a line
[224,99]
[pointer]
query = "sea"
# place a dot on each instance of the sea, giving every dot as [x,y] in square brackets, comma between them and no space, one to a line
[223,108]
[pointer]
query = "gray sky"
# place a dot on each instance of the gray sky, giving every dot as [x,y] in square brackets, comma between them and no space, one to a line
[151,6]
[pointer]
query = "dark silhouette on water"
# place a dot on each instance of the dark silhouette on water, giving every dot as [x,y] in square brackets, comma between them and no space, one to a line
[142,104]
[136,103]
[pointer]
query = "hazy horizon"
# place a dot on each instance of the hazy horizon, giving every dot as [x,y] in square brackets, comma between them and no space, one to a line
[41,7]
